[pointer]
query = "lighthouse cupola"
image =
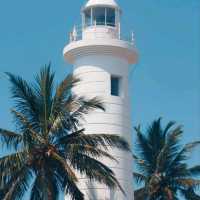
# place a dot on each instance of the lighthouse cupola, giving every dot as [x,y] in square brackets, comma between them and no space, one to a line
[101,18]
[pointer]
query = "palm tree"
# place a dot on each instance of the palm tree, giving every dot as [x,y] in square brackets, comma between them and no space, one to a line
[48,147]
[161,164]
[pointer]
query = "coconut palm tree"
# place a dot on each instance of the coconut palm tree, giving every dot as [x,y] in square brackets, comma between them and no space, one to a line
[48,147]
[161,164]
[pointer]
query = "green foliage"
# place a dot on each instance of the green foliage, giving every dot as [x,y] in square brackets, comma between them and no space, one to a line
[49,147]
[162,164]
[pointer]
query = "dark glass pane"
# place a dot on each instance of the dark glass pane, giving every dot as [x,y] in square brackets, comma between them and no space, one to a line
[110,19]
[88,17]
[99,16]
[115,86]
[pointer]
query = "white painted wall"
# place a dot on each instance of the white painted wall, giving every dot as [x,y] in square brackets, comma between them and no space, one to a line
[95,72]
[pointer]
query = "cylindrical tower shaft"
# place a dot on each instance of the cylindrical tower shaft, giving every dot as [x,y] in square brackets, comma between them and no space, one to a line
[101,60]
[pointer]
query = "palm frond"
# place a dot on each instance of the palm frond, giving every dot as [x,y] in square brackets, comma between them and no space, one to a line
[72,189]
[65,165]
[72,114]
[95,171]
[27,126]
[195,171]
[155,135]
[88,150]
[83,106]
[188,182]
[10,139]
[44,90]
[140,194]
[13,162]
[173,139]
[25,98]
[189,194]
[182,155]
[66,182]
[95,140]
[142,165]
[139,178]
[143,148]
[166,154]
[19,185]
[62,103]
[168,127]
[190,146]
[63,93]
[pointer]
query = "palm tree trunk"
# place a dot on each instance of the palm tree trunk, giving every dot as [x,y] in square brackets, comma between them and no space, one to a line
[50,194]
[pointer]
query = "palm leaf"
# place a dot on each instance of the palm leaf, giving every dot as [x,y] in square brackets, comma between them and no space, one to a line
[13,162]
[189,194]
[188,182]
[27,126]
[72,189]
[88,150]
[63,93]
[168,127]
[65,165]
[139,178]
[19,185]
[195,171]
[95,140]
[10,139]
[140,194]
[95,170]
[182,155]
[25,98]
[44,90]
[83,106]
[144,148]
[166,154]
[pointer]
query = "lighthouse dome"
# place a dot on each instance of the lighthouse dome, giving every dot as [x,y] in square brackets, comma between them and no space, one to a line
[107,3]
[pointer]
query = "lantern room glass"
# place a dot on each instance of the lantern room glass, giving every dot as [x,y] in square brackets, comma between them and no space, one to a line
[110,17]
[99,16]
[88,18]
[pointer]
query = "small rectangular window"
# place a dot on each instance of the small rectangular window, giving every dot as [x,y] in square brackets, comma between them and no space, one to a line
[115,86]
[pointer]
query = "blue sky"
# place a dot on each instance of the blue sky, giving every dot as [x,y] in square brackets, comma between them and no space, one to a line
[165,82]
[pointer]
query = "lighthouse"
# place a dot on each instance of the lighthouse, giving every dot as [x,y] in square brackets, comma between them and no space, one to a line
[101,58]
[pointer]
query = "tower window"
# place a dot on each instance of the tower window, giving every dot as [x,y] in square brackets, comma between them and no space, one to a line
[115,86]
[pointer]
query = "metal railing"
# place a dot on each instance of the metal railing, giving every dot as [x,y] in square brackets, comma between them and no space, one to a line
[78,33]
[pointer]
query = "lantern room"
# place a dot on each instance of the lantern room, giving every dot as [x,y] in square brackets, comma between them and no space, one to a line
[103,15]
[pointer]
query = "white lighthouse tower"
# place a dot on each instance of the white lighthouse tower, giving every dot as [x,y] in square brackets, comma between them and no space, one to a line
[101,59]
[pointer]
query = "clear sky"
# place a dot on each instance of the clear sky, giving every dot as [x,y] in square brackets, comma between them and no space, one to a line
[165,82]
